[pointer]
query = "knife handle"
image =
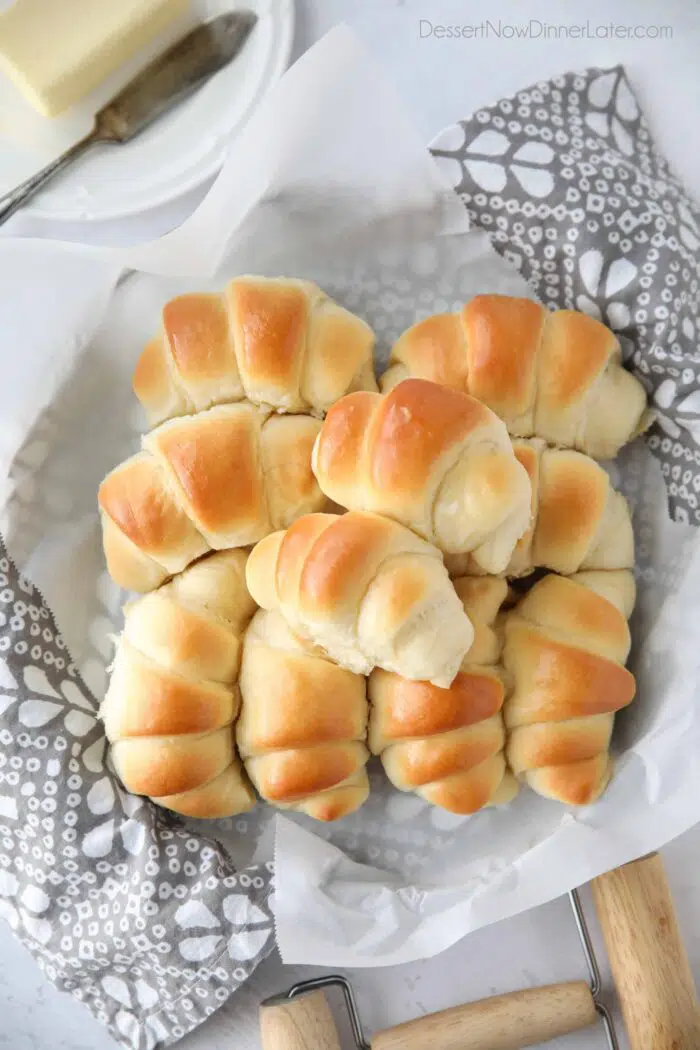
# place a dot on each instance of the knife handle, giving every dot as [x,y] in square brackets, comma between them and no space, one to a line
[18,197]
[503,1022]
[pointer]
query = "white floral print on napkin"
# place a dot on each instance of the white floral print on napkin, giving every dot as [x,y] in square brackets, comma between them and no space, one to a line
[567,181]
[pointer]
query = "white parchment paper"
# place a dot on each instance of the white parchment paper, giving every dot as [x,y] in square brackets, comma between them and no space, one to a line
[329,181]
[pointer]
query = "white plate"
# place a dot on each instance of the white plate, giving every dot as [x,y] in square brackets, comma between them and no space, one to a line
[176,154]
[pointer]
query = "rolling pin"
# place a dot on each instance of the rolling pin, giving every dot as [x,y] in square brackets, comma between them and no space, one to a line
[649,964]
[503,1022]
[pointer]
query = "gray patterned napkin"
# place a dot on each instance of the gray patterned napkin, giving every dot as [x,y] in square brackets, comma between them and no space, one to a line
[145,921]
[566,179]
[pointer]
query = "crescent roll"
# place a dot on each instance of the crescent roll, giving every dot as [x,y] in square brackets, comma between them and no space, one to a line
[173,696]
[430,458]
[368,592]
[577,519]
[554,375]
[280,343]
[303,723]
[223,478]
[447,745]
[566,643]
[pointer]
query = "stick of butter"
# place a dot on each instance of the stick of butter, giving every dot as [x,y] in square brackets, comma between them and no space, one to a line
[58,51]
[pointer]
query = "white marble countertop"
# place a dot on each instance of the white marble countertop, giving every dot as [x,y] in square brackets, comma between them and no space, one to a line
[441,81]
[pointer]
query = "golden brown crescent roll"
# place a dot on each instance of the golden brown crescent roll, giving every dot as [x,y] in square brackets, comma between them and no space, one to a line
[303,723]
[447,744]
[220,479]
[566,644]
[173,699]
[578,520]
[430,458]
[279,343]
[557,376]
[367,591]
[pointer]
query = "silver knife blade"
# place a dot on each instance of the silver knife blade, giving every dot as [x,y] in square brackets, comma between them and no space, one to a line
[173,75]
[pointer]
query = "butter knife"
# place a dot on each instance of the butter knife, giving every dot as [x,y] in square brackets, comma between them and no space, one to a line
[167,80]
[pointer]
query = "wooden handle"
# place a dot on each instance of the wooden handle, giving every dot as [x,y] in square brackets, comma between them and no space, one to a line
[649,964]
[505,1022]
[305,1023]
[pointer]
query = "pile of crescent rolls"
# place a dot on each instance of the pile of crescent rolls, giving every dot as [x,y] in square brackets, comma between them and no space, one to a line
[440,573]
